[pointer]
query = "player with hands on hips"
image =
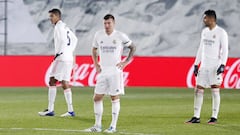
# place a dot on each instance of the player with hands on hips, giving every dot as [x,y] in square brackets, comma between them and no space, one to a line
[109,44]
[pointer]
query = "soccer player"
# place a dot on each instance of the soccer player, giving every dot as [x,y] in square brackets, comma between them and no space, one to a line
[109,44]
[213,54]
[65,43]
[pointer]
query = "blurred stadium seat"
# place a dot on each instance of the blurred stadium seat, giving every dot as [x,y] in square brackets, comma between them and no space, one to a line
[158,27]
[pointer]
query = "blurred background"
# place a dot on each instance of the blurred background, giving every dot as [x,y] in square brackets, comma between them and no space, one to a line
[159,80]
[157,27]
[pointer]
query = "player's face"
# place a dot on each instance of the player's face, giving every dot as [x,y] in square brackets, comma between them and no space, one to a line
[208,21]
[53,18]
[109,25]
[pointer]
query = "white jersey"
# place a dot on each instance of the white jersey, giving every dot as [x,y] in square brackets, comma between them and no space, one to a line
[213,49]
[64,41]
[110,47]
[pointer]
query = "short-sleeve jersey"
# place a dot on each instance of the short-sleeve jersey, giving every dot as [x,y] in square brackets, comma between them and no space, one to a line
[110,47]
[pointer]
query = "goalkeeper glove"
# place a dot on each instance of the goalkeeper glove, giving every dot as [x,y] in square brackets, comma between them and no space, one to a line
[195,70]
[220,69]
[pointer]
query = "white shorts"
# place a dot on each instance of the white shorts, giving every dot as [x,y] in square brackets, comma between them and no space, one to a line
[110,84]
[208,76]
[61,70]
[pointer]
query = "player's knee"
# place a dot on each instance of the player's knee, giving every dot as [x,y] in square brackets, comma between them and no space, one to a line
[200,87]
[65,85]
[51,83]
[215,86]
[97,97]
[114,98]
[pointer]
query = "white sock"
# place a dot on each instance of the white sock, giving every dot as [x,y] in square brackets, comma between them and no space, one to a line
[215,102]
[52,92]
[98,110]
[198,100]
[68,98]
[115,112]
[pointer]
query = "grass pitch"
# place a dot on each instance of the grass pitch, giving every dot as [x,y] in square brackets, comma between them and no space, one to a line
[144,111]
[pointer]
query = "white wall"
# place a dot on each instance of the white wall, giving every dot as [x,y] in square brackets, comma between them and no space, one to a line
[157,27]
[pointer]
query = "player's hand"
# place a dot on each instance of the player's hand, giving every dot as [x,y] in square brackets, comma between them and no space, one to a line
[122,65]
[58,54]
[220,69]
[98,68]
[195,71]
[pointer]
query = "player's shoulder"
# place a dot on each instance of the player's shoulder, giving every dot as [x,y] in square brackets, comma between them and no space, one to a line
[204,29]
[221,30]
[60,25]
[99,33]
[119,33]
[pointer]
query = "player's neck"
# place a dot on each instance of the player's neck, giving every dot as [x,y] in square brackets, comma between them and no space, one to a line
[109,32]
[57,21]
[212,26]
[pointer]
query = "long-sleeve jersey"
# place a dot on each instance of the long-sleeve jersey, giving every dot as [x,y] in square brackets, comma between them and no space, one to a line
[65,42]
[213,49]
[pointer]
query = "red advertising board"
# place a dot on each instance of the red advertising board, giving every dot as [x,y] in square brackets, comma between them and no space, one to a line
[142,71]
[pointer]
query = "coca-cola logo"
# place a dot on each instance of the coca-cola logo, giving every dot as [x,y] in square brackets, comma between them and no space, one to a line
[83,75]
[190,78]
[231,76]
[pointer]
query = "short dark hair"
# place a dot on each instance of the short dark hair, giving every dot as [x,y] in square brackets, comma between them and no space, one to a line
[211,13]
[55,11]
[108,16]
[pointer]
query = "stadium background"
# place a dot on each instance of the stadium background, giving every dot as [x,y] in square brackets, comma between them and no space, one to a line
[166,33]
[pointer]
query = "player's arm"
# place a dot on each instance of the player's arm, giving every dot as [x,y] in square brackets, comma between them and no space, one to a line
[95,54]
[198,58]
[224,43]
[63,39]
[224,46]
[127,43]
[124,63]
[132,48]
[95,59]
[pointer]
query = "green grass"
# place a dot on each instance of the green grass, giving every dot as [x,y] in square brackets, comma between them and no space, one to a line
[158,111]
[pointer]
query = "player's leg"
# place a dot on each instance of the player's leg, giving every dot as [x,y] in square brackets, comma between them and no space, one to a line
[62,73]
[52,91]
[198,100]
[99,92]
[216,81]
[68,97]
[117,88]
[215,103]
[201,82]
[115,113]
[98,111]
